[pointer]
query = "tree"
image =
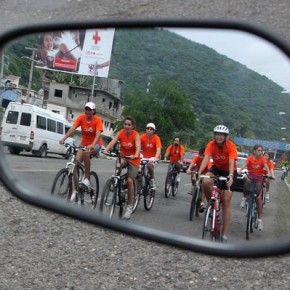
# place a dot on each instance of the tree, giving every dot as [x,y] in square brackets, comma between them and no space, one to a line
[166,106]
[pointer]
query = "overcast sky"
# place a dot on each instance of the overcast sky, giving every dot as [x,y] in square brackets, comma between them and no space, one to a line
[250,50]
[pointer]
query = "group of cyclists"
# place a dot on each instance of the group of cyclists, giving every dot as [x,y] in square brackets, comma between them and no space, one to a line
[217,158]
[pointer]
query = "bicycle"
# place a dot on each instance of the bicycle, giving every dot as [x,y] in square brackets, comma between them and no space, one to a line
[71,177]
[143,184]
[171,183]
[251,206]
[213,215]
[196,199]
[115,191]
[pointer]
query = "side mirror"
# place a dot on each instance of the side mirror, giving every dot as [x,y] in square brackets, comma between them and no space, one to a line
[186,76]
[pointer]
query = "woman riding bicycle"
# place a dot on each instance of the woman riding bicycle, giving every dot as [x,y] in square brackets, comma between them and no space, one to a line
[255,165]
[130,146]
[92,127]
[224,156]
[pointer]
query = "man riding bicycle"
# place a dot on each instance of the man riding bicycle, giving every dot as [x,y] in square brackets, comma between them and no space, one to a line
[92,127]
[151,148]
[130,146]
[176,153]
[224,155]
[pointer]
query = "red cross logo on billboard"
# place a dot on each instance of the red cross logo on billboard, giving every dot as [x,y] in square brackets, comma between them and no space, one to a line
[96,38]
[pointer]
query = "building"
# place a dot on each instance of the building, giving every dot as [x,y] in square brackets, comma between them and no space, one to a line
[69,100]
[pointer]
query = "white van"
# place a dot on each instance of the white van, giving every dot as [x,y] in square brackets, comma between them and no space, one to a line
[34,129]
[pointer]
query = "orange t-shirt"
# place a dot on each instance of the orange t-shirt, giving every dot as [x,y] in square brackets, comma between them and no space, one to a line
[128,145]
[150,145]
[270,165]
[175,152]
[221,156]
[89,129]
[197,161]
[255,166]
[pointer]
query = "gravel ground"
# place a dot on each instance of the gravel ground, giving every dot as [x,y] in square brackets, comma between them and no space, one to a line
[43,250]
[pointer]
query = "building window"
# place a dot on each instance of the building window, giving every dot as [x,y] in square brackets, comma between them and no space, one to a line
[103,100]
[58,93]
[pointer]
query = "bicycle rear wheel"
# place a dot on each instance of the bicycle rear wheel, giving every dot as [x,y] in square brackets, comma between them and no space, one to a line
[62,184]
[136,197]
[149,196]
[108,198]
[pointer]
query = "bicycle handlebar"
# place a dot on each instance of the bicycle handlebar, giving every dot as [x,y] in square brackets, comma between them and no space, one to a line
[113,154]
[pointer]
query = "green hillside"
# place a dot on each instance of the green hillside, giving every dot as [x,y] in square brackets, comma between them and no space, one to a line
[220,89]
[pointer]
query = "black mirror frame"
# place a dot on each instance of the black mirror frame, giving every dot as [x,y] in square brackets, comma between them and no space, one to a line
[13,184]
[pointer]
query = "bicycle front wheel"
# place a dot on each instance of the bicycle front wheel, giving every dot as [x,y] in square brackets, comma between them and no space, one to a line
[207,221]
[168,187]
[195,201]
[136,197]
[62,184]
[149,195]
[108,198]
[249,226]
[94,191]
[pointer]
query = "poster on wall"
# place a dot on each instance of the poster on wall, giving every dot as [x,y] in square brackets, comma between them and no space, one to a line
[85,52]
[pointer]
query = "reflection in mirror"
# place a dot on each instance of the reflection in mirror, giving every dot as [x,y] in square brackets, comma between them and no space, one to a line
[185,81]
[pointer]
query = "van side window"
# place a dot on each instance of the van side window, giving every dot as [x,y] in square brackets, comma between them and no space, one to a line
[12,117]
[60,128]
[25,119]
[51,125]
[41,122]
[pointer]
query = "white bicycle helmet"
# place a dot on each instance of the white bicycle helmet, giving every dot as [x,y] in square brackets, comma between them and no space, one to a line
[221,129]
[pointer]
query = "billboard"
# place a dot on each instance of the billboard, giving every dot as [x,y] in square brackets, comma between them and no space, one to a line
[266,144]
[85,52]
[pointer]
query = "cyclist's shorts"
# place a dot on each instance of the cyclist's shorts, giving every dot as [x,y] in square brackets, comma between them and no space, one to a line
[132,170]
[224,173]
[258,178]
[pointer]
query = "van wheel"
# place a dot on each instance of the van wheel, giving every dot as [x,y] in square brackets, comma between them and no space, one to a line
[14,150]
[42,151]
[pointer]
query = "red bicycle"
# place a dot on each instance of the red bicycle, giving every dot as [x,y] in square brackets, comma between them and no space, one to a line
[212,223]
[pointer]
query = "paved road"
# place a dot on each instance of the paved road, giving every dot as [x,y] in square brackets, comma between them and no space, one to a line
[168,214]
[43,250]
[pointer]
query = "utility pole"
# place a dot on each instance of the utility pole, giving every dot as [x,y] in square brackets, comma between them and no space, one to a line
[31,71]
[2,65]
[94,81]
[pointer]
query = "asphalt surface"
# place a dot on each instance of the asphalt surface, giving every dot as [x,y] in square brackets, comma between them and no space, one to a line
[44,250]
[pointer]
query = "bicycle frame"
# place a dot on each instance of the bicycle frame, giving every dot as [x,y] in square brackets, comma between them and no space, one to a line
[214,208]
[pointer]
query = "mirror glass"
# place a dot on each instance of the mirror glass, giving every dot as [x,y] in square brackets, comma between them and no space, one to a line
[185,81]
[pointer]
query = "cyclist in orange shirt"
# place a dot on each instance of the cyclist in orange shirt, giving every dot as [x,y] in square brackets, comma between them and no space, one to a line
[92,127]
[271,168]
[130,145]
[176,153]
[224,156]
[195,163]
[151,148]
[255,165]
